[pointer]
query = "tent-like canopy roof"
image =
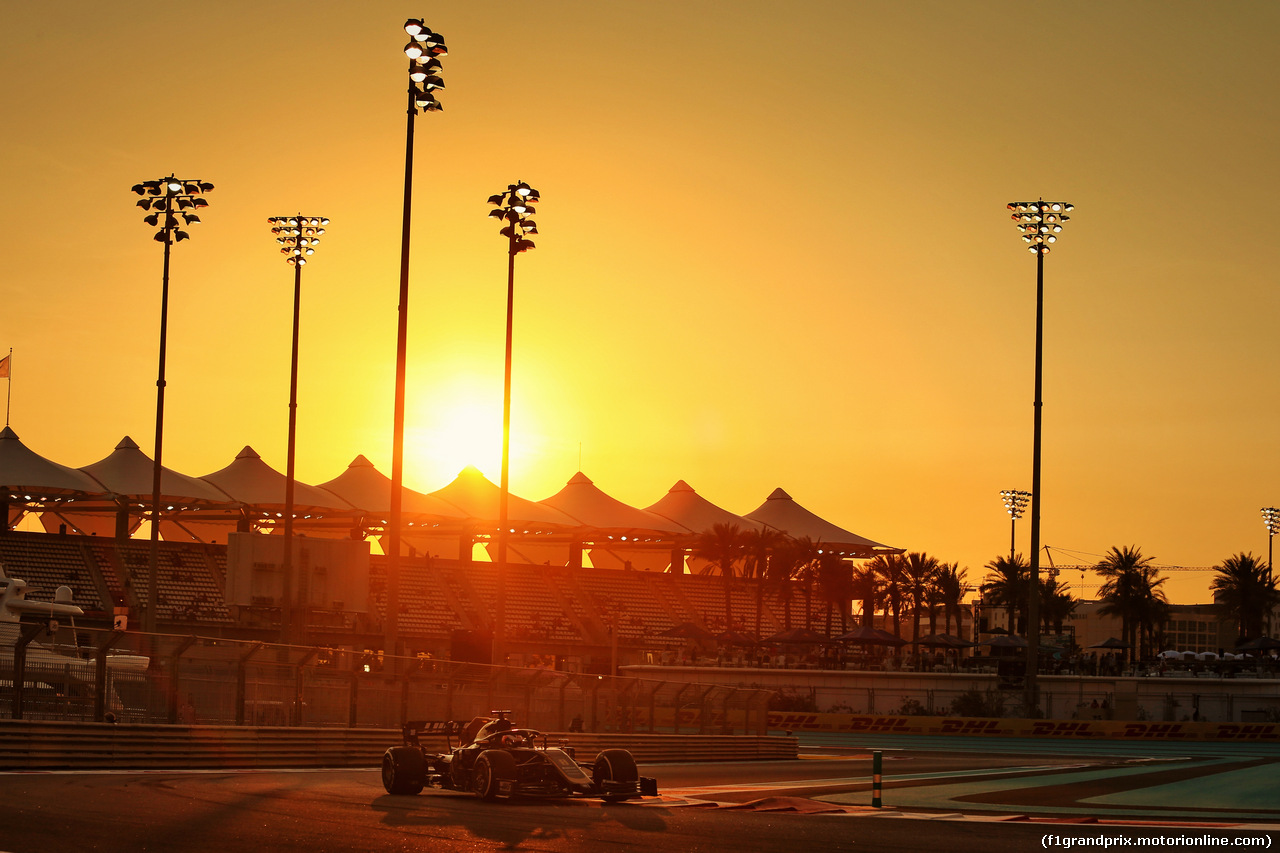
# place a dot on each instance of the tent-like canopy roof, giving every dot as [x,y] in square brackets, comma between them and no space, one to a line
[363,486]
[251,481]
[582,501]
[478,499]
[780,511]
[690,510]
[129,473]
[26,473]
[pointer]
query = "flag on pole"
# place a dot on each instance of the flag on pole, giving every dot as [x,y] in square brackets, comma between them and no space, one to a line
[4,367]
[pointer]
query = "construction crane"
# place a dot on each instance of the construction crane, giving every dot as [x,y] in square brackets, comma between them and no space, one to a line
[1082,568]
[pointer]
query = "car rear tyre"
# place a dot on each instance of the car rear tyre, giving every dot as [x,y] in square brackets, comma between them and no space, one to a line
[493,766]
[614,765]
[403,770]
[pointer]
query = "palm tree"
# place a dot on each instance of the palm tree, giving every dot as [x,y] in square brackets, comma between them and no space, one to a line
[782,568]
[1056,604]
[867,588]
[1244,592]
[759,544]
[918,570]
[835,579]
[1006,580]
[722,546]
[889,569]
[806,556]
[952,587]
[1131,590]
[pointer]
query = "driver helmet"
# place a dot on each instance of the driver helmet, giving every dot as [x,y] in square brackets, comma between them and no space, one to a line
[510,739]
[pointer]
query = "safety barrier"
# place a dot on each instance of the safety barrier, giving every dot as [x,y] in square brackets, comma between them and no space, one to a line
[32,745]
[1012,727]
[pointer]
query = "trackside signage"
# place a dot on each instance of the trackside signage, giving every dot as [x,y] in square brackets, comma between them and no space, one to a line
[1092,729]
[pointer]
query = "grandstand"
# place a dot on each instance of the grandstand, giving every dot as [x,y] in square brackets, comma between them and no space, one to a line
[569,612]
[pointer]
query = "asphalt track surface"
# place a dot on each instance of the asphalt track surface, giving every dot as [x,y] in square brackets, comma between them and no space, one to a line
[940,794]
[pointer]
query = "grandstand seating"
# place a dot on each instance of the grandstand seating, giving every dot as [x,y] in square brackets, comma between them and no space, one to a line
[558,606]
[189,589]
[47,562]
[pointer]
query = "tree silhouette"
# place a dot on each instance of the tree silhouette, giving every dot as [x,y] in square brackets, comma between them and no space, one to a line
[1006,581]
[1131,590]
[1243,592]
[722,546]
[952,587]
[918,570]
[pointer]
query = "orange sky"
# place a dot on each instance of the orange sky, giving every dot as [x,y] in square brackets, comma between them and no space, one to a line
[774,252]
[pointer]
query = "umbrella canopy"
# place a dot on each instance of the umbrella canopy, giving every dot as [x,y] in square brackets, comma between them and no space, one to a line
[1009,641]
[737,638]
[688,630]
[1259,644]
[870,636]
[945,641]
[797,636]
[1110,643]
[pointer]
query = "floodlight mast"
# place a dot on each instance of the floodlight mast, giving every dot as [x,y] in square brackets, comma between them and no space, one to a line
[514,207]
[167,200]
[1015,503]
[1271,518]
[297,237]
[1040,223]
[425,49]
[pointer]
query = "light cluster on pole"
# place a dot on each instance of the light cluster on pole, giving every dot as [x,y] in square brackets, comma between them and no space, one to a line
[168,199]
[1271,518]
[425,49]
[298,235]
[1015,502]
[1040,222]
[514,207]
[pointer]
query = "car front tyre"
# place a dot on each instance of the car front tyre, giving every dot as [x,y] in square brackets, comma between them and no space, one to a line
[493,767]
[614,765]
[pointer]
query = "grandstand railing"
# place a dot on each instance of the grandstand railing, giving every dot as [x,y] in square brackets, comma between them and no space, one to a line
[131,677]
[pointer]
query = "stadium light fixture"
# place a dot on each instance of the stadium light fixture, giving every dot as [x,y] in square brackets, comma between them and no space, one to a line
[513,208]
[1015,503]
[166,200]
[1040,223]
[424,50]
[298,236]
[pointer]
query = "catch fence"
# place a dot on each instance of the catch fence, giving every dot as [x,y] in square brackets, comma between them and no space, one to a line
[155,678]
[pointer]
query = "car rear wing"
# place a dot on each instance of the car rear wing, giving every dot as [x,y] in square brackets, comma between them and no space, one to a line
[415,728]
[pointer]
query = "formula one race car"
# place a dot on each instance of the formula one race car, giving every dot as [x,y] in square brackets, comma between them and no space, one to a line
[494,759]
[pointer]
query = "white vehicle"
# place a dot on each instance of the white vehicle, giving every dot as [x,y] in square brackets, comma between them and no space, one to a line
[75,673]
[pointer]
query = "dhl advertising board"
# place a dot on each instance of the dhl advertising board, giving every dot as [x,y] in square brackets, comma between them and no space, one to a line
[1091,729]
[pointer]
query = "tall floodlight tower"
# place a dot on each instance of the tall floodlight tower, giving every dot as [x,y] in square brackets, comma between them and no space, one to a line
[1040,223]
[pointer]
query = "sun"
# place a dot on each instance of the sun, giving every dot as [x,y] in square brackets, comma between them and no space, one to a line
[463,430]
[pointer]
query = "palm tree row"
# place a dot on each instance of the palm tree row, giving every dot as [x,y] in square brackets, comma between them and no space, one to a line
[914,584]
[919,585]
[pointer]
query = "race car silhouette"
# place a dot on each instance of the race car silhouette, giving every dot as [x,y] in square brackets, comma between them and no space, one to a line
[496,760]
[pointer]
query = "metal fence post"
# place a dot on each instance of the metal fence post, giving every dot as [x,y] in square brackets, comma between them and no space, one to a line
[100,675]
[242,667]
